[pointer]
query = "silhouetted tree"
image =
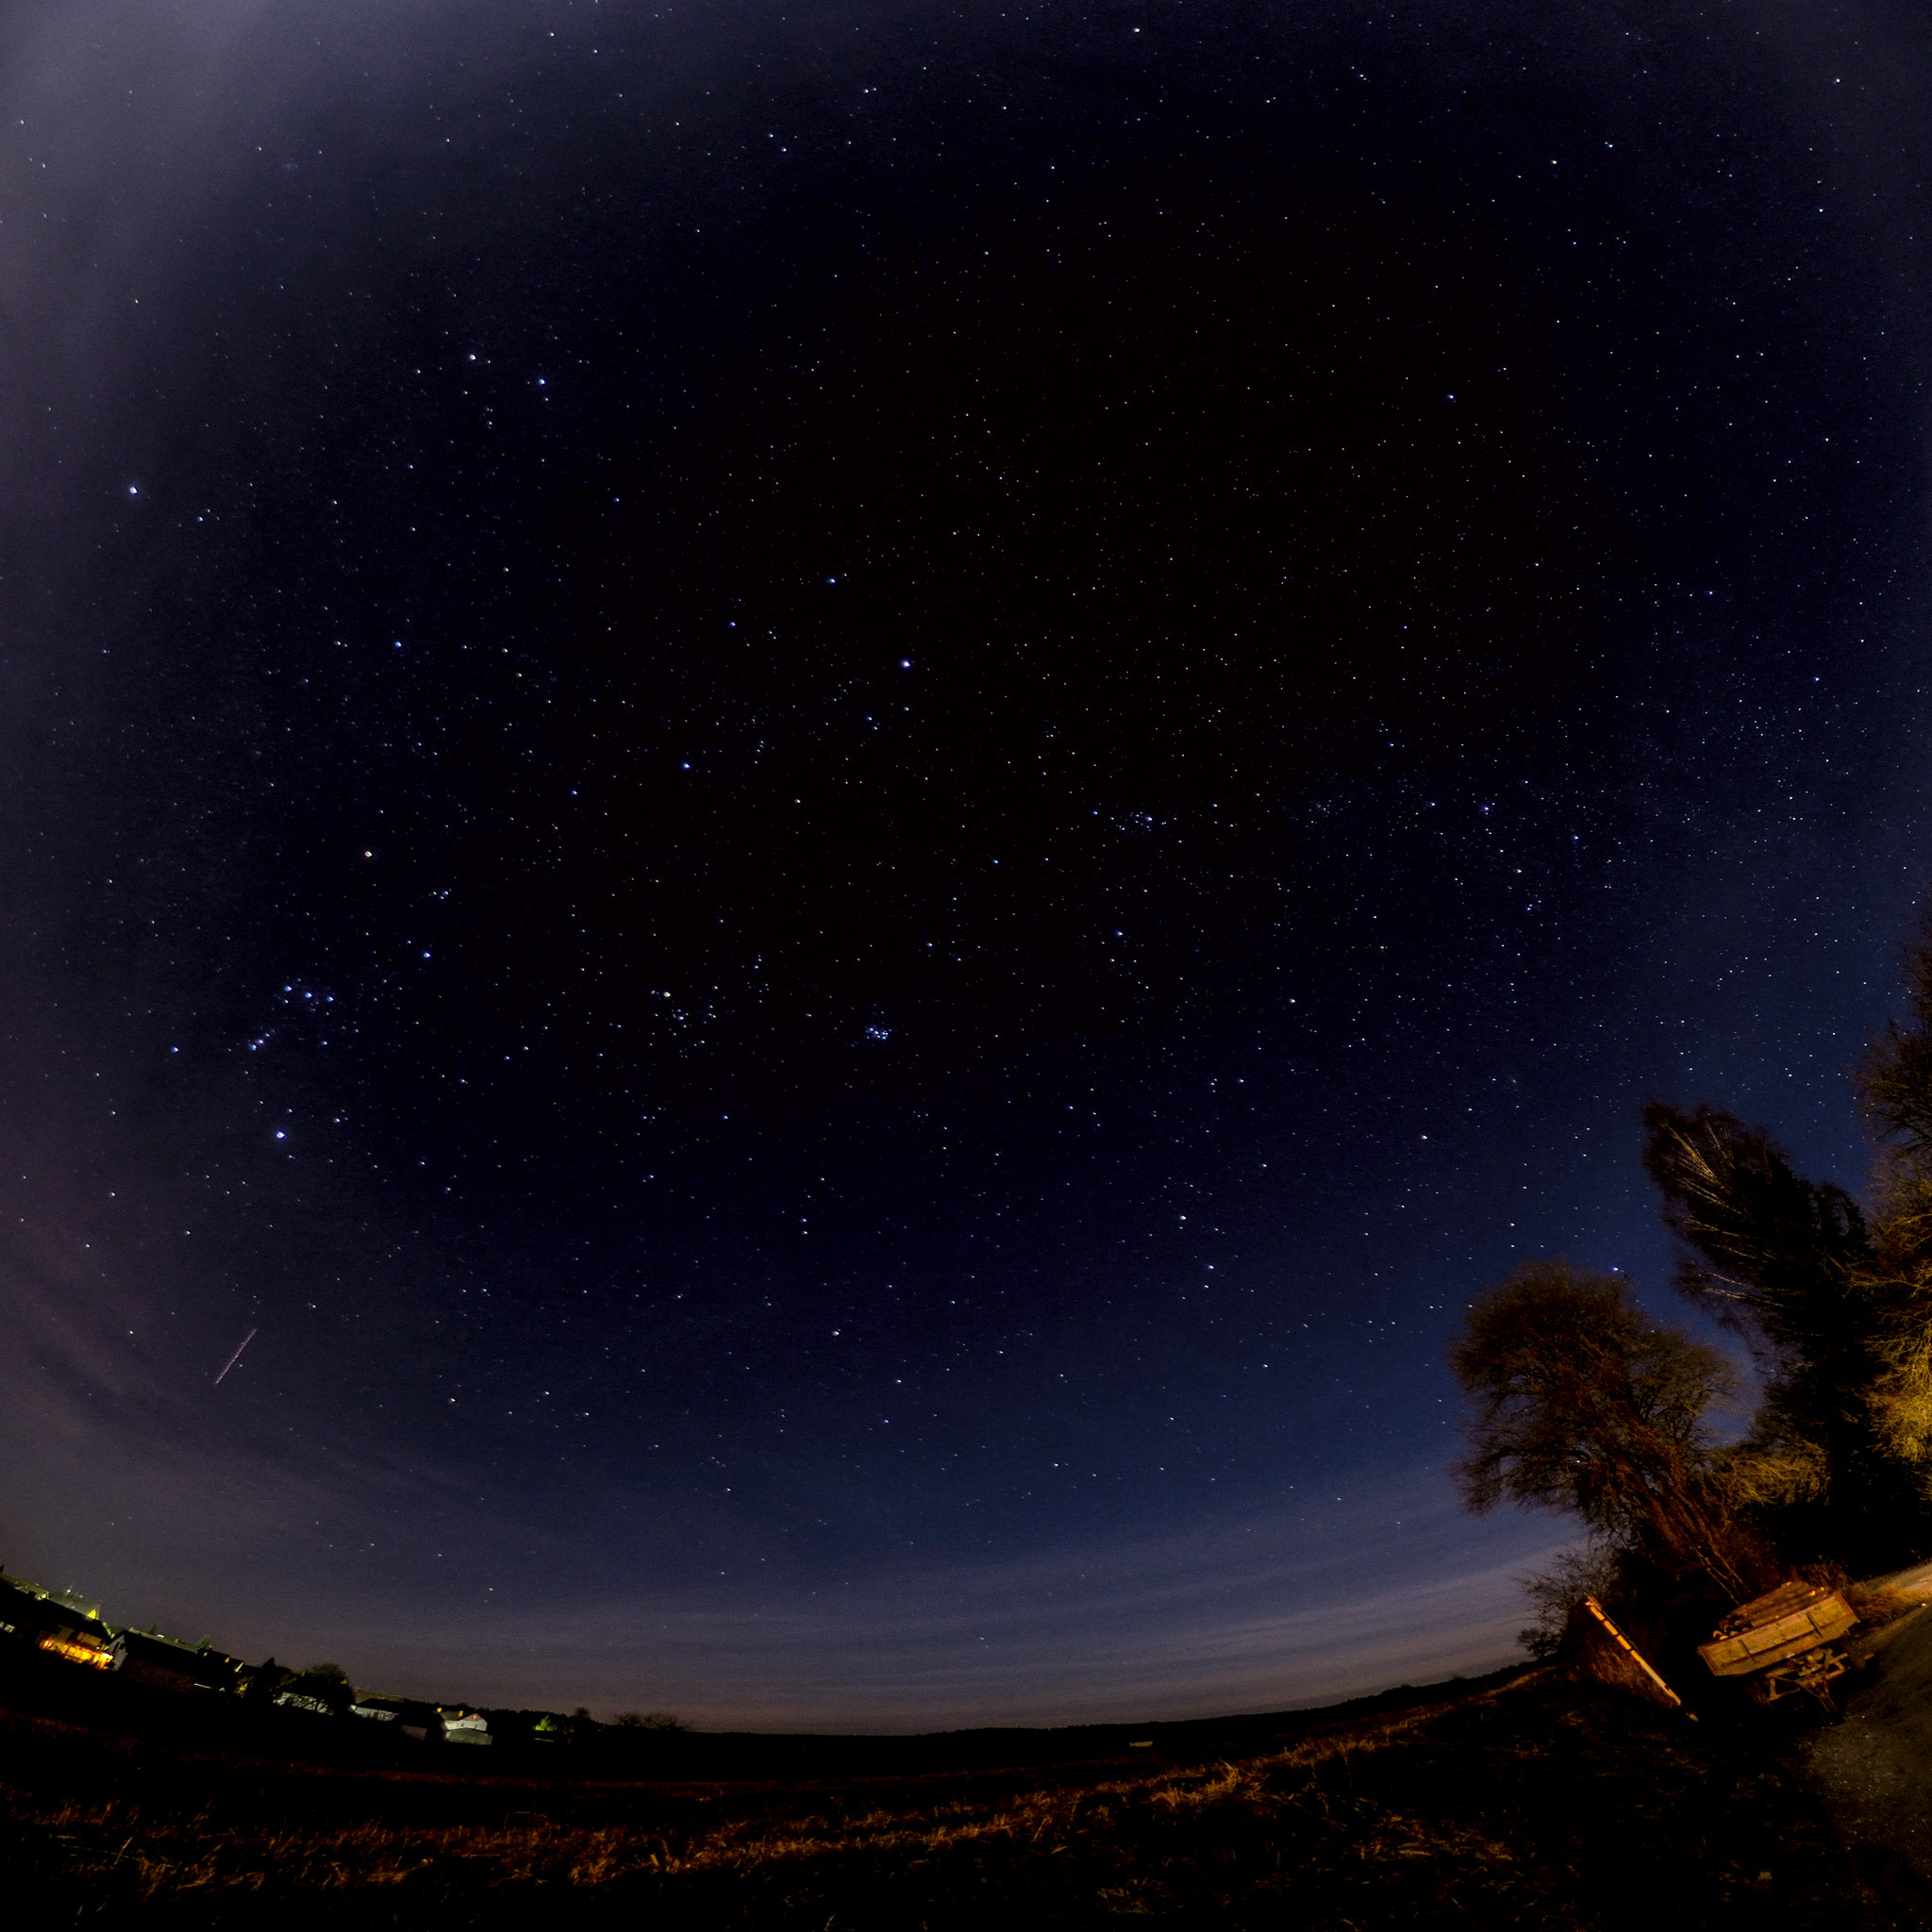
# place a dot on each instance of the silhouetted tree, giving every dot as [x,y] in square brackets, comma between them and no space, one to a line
[1894,1079]
[1581,1404]
[1815,1287]
[1771,1255]
[1595,1569]
[327,1683]
[1895,1083]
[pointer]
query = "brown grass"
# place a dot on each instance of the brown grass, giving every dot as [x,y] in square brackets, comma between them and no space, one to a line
[1877,1606]
[1539,1804]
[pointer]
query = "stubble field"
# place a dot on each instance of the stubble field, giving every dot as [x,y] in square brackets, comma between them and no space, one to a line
[1538,1803]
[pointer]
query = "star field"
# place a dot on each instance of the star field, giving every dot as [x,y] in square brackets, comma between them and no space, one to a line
[851,807]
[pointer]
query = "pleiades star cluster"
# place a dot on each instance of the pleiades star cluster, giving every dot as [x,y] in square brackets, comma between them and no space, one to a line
[841,806]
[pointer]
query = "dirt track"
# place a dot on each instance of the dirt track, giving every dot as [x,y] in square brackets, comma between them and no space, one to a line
[1876,1766]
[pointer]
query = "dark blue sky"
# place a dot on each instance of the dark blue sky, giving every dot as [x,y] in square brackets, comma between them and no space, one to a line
[847,805]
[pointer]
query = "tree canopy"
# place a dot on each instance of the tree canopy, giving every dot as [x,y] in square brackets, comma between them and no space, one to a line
[1580,1403]
[1771,1255]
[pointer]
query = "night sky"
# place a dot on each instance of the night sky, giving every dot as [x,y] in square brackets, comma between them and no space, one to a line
[846,802]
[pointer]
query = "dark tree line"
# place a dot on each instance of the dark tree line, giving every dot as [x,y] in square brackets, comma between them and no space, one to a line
[1580,1403]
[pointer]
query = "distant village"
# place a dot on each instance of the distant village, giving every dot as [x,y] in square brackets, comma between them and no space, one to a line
[64,1625]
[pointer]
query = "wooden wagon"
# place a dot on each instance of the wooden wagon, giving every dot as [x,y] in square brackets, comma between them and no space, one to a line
[1783,1641]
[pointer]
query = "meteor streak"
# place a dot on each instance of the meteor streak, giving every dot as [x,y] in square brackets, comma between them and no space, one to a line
[237,1356]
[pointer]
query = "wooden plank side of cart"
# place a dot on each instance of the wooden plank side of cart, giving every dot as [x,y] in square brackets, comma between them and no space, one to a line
[1789,1635]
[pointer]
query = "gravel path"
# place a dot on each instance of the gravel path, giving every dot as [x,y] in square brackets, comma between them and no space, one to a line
[1876,1766]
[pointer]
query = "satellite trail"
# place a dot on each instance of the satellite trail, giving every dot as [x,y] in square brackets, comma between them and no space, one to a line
[237,1356]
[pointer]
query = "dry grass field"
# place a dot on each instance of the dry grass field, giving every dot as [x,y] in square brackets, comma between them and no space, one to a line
[1541,1803]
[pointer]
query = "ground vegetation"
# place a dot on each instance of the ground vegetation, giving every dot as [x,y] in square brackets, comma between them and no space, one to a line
[1533,1802]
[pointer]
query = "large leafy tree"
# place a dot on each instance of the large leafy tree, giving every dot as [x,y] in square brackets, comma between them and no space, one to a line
[1776,1257]
[1788,1264]
[1579,1403]
[1835,1301]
